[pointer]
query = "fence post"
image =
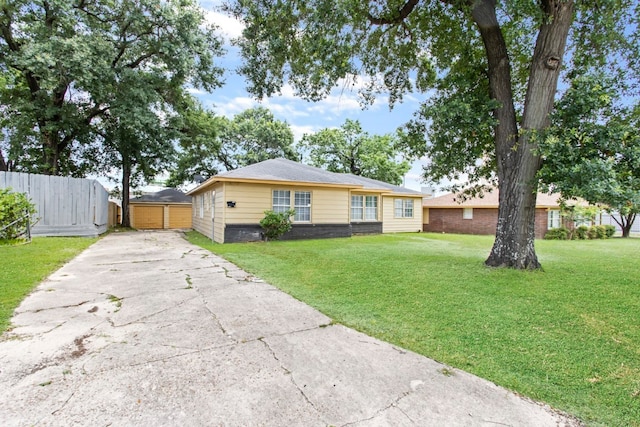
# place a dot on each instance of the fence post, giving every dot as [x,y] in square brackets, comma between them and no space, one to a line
[26,211]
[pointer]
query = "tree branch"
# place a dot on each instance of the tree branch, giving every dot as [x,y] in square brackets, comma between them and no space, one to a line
[6,31]
[402,14]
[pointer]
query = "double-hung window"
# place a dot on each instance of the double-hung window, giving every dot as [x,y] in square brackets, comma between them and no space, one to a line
[403,208]
[281,200]
[371,208]
[357,208]
[364,208]
[301,204]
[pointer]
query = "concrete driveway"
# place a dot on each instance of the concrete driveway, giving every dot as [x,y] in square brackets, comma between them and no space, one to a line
[145,329]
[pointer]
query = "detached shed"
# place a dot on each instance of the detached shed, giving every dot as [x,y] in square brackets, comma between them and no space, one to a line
[166,209]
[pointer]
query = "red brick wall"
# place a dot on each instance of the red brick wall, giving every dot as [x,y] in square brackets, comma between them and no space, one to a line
[449,220]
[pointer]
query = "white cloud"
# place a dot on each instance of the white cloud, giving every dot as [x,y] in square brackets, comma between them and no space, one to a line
[300,131]
[227,26]
[196,92]
[229,107]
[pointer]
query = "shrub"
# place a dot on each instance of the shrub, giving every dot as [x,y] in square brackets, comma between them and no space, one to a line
[597,232]
[13,207]
[581,232]
[561,233]
[610,230]
[275,224]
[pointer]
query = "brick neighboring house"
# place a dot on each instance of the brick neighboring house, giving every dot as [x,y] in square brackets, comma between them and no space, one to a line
[480,215]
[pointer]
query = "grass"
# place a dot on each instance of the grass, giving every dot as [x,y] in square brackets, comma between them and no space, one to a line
[24,266]
[568,335]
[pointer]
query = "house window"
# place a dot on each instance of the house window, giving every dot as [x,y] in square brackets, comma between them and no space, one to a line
[467,213]
[357,208]
[201,206]
[281,200]
[371,208]
[302,206]
[553,219]
[364,208]
[403,208]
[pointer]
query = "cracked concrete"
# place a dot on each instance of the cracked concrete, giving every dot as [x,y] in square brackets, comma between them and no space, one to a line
[144,328]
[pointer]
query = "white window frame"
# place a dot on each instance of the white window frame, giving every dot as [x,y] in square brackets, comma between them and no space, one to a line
[365,207]
[201,206]
[278,198]
[371,209]
[357,208]
[303,209]
[467,213]
[281,201]
[403,208]
[553,219]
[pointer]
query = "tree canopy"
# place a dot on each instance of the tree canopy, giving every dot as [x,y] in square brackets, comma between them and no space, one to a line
[349,149]
[210,144]
[491,70]
[63,64]
[592,151]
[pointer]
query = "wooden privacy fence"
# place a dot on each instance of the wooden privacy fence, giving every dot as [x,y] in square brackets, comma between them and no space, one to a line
[65,206]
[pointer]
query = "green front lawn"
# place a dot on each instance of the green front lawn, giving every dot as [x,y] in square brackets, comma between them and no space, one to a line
[24,266]
[568,335]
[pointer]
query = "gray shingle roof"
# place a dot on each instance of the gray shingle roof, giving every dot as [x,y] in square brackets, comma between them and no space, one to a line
[169,195]
[288,170]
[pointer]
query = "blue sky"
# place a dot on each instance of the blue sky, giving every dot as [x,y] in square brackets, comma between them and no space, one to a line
[302,116]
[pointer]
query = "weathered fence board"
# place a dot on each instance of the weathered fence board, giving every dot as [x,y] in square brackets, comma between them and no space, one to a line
[65,206]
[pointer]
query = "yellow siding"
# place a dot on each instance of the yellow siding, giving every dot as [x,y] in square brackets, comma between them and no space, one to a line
[391,224]
[218,221]
[201,221]
[211,227]
[251,202]
[425,215]
[329,205]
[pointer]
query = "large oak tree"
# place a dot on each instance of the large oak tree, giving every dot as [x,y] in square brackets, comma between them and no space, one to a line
[495,67]
[64,62]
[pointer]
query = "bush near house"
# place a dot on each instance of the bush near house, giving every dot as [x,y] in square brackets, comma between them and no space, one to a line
[15,209]
[275,224]
[581,233]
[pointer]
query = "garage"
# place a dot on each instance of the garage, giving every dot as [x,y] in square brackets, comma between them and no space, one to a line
[166,209]
[145,217]
[180,216]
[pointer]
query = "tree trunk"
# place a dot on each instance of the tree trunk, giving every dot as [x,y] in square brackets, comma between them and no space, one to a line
[126,177]
[627,223]
[517,163]
[50,151]
[4,166]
